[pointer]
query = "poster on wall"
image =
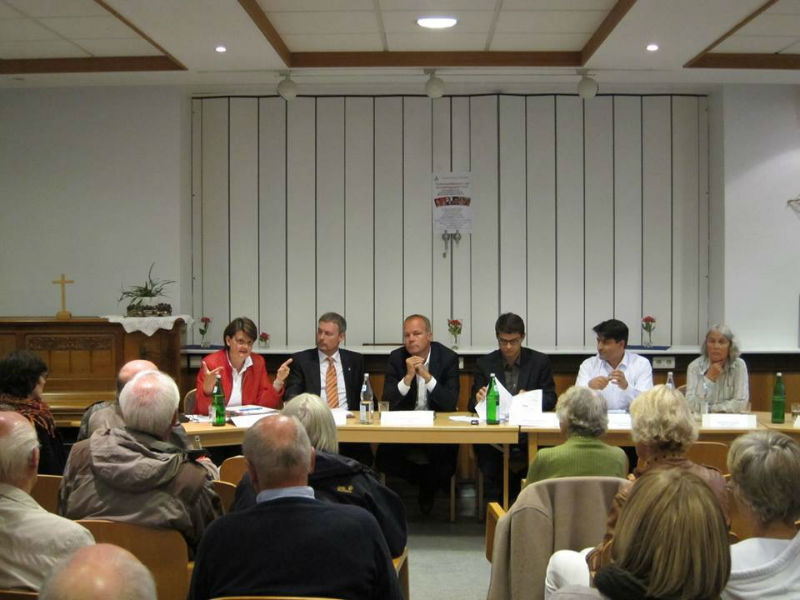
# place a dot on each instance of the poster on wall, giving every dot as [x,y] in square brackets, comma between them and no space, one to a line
[452,202]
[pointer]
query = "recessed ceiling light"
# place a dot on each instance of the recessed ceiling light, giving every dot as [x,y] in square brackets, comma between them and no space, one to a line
[221,49]
[652,47]
[436,22]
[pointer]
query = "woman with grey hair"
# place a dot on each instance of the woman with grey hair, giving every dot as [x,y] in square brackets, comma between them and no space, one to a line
[718,376]
[765,479]
[583,418]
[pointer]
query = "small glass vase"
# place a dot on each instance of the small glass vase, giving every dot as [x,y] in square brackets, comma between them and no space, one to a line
[648,341]
[263,343]
[455,341]
[204,343]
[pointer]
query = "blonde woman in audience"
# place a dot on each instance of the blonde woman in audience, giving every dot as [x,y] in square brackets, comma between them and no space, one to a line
[765,478]
[718,376]
[583,417]
[671,542]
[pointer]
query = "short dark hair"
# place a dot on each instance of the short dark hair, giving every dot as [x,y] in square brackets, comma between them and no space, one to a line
[20,372]
[613,329]
[332,317]
[243,324]
[509,323]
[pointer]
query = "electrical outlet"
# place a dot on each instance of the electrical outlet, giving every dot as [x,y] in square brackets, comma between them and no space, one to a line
[461,363]
[664,362]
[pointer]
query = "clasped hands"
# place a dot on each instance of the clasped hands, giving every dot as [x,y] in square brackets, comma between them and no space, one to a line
[415,365]
[616,376]
[210,377]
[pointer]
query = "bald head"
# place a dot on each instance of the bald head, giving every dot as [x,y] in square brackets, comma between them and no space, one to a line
[99,572]
[19,451]
[278,453]
[130,369]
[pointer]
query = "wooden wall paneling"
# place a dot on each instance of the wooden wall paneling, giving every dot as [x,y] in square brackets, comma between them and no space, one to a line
[485,202]
[461,252]
[627,214]
[541,220]
[418,258]
[360,242]
[244,207]
[686,241]
[702,218]
[197,218]
[511,276]
[272,200]
[215,268]
[599,223]
[441,159]
[301,220]
[569,221]
[388,219]
[330,206]
[657,220]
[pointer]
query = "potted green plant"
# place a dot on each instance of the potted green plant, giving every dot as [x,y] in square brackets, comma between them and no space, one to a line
[142,298]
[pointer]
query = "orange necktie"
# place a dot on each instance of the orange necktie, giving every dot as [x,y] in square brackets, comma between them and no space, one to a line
[331,387]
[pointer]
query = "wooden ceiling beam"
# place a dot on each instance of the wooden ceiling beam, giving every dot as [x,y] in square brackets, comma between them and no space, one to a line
[259,17]
[434,59]
[612,19]
[725,60]
[93,64]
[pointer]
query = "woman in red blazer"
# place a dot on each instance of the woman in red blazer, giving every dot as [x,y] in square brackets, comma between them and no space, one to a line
[244,374]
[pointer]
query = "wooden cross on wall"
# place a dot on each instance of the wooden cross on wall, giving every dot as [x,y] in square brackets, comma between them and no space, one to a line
[63,313]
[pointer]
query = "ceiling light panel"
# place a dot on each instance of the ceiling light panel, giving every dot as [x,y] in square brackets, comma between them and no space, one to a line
[400,21]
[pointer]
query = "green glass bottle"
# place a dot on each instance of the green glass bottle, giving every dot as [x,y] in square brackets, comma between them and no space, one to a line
[492,401]
[218,403]
[779,400]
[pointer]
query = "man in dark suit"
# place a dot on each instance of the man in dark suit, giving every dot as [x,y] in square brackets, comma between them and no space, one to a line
[422,375]
[332,373]
[290,543]
[518,369]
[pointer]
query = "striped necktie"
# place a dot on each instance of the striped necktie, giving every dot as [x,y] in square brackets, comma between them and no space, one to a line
[331,387]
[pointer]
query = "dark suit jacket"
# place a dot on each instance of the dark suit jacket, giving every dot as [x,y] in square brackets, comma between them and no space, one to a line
[295,547]
[304,376]
[534,374]
[443,366]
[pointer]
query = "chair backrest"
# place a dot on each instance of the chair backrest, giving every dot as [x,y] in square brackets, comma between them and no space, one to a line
[549,515]
[163,551]
[189,400]
[712,454]
[45,491]
[17,594]
[232,469]
[226,492]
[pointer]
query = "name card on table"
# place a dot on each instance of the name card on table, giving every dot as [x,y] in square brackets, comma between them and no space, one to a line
[340,416]
[729,421]
[407,418]
[247,421]
[619,420]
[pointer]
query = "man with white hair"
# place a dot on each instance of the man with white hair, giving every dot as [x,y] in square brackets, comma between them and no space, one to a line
[135,474]
[100,572]
[31,539]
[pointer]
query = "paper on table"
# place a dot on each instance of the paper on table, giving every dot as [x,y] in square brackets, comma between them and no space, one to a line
[462,419]
[248,421]
[729,421]
[797,422]
[250,409]
[198,418]
[525,406]
[412,418]
[340,416]
[619,420]
[502,408]
[545,420]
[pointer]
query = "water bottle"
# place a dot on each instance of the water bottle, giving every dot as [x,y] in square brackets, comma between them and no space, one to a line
[366,406]
[670,381]
[492,401]
[217,410]
[778,400]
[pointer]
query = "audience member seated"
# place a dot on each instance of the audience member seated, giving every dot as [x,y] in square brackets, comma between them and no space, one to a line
[421,375]
[718,376]
[662,427]
[22,378]
[617,374]
[671,542]
[105,415]
[32,540]
[765,478]
[289,543]
[135,474]
[101,572]
[244,375]
[337,478]
[518,369]
[583,418]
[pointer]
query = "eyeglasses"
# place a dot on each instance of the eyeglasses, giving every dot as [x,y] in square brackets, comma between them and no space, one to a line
[245,343]
[512,342]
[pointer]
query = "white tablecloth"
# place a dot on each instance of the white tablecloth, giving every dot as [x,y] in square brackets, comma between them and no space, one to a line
[148,325]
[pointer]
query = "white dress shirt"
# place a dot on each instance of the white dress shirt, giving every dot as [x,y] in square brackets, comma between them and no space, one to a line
[423,389]
[638,373]
[32,540]
[236,389]
[323,372]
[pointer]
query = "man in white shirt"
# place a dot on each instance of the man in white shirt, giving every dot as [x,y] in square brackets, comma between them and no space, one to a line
[617,374]
[32,540]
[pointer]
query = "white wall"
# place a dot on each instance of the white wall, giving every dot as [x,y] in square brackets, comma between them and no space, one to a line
[94,183]
[762,235]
